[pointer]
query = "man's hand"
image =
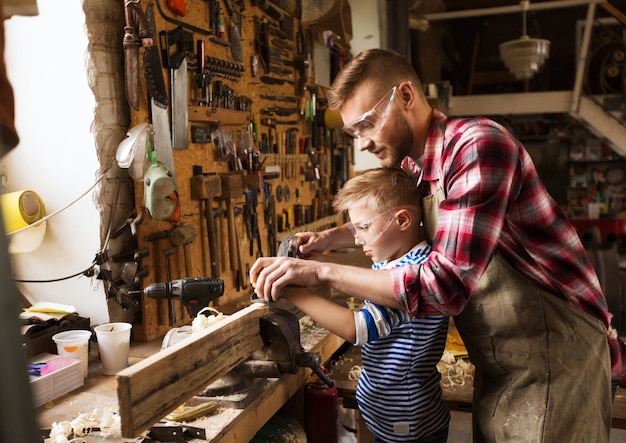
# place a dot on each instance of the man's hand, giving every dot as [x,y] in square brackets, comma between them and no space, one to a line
[333,238]
[270,275]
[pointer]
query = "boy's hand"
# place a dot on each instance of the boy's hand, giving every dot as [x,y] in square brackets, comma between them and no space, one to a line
[270,275]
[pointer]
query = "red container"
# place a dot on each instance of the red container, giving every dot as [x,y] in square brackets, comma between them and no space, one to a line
[321,413]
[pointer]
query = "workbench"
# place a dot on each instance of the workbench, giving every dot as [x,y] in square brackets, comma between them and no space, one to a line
[228,425]
[240,425]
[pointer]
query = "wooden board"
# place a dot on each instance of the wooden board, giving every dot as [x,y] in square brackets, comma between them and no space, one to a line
[150,389]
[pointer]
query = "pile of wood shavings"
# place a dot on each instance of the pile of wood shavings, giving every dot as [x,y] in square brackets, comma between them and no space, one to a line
[310,333]
[454,372]
[355,372]
[107,422]
[203,321]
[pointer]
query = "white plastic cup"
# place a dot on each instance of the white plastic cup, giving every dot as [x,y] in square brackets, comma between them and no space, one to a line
[74,344]
[114,346]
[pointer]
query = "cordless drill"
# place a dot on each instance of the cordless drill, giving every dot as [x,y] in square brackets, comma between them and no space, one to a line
[194,293]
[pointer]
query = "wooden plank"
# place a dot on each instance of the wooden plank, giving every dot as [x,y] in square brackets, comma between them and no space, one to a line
[150,389]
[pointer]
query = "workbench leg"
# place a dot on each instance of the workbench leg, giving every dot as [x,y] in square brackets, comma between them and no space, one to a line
[363,434]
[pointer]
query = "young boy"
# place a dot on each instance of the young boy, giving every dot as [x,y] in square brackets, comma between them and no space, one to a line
[398,392]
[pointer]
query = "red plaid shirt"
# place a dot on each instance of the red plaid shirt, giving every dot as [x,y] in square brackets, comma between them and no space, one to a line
[495,202]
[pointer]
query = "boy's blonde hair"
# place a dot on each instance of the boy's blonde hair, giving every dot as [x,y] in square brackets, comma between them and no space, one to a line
[381,189]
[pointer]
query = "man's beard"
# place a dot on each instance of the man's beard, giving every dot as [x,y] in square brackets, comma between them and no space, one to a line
[399,145]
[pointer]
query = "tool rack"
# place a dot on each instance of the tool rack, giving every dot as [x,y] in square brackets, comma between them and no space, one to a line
[291,164]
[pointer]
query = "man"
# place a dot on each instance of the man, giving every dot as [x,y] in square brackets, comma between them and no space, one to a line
[505,262]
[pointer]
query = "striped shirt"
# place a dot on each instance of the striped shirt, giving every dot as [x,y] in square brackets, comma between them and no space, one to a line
[398,393]
[495,202]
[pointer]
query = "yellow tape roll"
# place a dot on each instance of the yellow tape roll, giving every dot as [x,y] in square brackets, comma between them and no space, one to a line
[19,210]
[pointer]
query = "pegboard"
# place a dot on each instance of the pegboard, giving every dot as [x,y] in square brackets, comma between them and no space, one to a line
[258,150]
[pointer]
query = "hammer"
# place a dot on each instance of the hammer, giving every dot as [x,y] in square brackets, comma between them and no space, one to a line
[183,235]
[155,238]
[232,187]
[205,188]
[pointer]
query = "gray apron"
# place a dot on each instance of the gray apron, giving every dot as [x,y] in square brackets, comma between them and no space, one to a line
[542,365]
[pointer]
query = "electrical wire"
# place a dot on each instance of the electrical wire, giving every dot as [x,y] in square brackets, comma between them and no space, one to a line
[89,271]
[43,219]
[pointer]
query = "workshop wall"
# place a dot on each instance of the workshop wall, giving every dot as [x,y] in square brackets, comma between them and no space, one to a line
[257,156]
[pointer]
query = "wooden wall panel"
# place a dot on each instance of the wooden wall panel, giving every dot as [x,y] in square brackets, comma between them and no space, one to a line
[299,189]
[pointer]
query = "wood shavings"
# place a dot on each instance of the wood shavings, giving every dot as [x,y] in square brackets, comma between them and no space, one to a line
[107,422]
[352,304]
[455,372]
[305,322]
[355,372]
[202,321]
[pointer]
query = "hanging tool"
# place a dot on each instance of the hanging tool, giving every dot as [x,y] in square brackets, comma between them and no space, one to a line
[251,219]
[232,188]
[278,98]
[155,238]
[159,187]
[274,81]
[280,43]
[160,119]
[180,23]
[270,9]
[279,110]
[177,6]
[205,188]
[203,79]
[269,216]
[272,122]
[168,270]
[183,235]
[263,44]
[131,43]
[174,45]
[235,9]
[153,72]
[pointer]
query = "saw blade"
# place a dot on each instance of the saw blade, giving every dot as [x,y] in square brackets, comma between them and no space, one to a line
[163,137]
[180,107]
[131,69]
[152,66]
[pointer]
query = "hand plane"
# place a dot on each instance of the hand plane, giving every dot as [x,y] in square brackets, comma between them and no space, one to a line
[287,248]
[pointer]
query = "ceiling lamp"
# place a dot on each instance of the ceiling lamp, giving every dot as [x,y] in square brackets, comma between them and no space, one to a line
[525,56]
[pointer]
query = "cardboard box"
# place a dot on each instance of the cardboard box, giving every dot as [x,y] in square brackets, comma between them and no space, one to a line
[59,376]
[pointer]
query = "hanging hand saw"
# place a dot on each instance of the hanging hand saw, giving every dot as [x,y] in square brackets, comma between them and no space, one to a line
[159,114]
[175,45]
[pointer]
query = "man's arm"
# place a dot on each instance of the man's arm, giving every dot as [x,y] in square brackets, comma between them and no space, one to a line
[271,276]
